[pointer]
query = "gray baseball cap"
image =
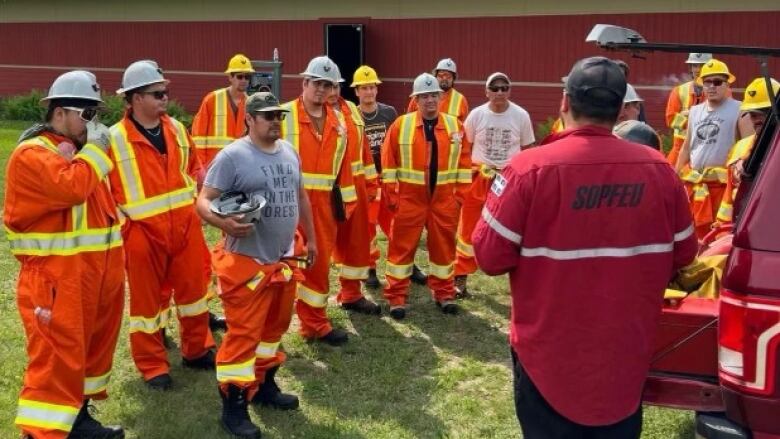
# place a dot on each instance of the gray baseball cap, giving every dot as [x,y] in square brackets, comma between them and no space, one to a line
[261,102]
[598,81]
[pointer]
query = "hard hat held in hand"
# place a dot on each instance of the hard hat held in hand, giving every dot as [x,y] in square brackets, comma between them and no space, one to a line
[365,75]
[323,67]
[698,58]
[140,74]
[239,64]
[425,83]
[757,95]
[715,67]
[446,64]
[76,84]
[242,207]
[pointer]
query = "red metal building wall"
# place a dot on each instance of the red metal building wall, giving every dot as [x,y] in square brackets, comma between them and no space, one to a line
[534,51]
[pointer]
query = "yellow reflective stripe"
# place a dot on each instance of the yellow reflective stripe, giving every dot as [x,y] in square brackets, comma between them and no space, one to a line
[266,350]
[242,372]
[350,272]
[311,297]
[211,142]
[97,159]
[725,211]
[46,415]
[678,123]
[370,171]
[318,182]
[349,194]
[412,176]
[709,174]
[42,141]
[79,217]
[455,99]
[93,385]
[184,153]
[406,140]
[740,149]
[198,307]
[389,175]
[398,271]
[357,168]
[148,325]
[255,281]
[464,249]
[441,271]
[220,112]
[700,191]
[159,203]
[64,243]
[290,124]
[165,316]
[126,162]
[451,125]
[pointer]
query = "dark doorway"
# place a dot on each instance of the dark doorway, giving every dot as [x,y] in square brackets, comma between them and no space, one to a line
[344,45]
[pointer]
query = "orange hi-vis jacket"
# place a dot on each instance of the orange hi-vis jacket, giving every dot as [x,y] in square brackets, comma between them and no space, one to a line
[216,125]
[146,184]
[705,190]
[61,224]
[406,187]
[452,102]
[681,98]
[738,152]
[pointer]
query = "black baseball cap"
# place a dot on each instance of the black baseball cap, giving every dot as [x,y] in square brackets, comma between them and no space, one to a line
[598,81]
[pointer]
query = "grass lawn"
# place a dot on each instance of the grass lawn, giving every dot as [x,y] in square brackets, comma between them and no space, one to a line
[431,376]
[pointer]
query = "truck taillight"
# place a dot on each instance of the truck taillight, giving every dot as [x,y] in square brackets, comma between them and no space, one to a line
[749,335]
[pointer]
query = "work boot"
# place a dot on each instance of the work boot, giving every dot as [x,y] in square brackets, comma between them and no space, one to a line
[448,306]
[363,306]
[336,337]
[217,323]
[398,312]
[207,361]
[461,291]
[160,382]
[271,395]
[235,414]
[86,427]
[418,276]
[372,281]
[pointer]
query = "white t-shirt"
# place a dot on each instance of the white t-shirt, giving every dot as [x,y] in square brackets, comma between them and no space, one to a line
[712,133]
[497,137]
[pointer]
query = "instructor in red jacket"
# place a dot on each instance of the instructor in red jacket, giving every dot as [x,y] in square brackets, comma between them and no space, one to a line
[590,229]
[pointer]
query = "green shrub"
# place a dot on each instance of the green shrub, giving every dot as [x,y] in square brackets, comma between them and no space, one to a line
[543,129]
[28,107]
[23,107]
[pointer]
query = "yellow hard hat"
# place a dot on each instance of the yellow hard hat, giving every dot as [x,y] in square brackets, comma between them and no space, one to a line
[239,64]
[365,75]
[757,95]
[715,67]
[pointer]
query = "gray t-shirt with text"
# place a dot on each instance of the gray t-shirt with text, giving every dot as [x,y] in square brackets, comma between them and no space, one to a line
[276,176]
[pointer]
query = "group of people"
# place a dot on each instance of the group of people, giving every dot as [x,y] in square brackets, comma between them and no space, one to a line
[296,187]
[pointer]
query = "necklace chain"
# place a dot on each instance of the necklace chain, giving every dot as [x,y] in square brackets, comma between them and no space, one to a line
[152,131]
[367,117]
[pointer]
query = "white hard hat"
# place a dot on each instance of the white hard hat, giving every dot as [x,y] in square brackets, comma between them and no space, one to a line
[446,64]
[239,204]
[631,95]
[76,84]
[323,67]
[140,74]
[698,58]
[425,83]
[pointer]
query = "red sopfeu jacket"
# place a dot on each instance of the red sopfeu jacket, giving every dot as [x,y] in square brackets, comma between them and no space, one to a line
[590,229]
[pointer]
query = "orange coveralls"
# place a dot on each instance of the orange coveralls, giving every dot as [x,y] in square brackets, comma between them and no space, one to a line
[163,241]
[405,182]
[325,160]
[353,240]
[681,98]
[216,125]
[481,179]
[62,226]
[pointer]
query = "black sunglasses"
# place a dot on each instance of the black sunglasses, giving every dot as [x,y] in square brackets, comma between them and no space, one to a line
[158,94]
[242,77]
[273,115]
[86,114]
[497,88]
[713,82]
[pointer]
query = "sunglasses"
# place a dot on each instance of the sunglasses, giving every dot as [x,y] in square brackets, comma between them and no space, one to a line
[158,94]
[497,88]
[87,114]
[327,85]
[273,115]
[713,82]
[243,77]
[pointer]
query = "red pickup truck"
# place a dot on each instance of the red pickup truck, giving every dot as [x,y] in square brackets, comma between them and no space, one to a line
[721,357]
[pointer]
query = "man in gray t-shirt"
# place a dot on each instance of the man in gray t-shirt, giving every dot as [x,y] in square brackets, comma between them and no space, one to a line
[257,265]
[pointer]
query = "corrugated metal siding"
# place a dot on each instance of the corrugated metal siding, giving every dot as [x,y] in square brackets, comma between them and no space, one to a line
[534,49]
